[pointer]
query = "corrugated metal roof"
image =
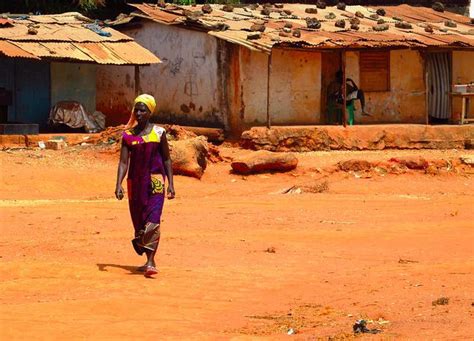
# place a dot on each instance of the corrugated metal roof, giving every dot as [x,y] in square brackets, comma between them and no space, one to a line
[235,26]
[66,37]
[10,50]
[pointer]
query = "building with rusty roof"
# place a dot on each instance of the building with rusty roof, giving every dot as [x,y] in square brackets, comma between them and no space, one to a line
[235,67]
[45,59]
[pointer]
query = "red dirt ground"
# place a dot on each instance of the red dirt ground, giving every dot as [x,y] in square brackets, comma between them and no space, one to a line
[237,259]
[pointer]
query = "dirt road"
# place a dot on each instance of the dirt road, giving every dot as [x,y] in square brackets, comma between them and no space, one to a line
[237,259]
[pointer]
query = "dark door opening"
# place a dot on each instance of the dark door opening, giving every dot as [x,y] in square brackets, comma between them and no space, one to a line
[439,75]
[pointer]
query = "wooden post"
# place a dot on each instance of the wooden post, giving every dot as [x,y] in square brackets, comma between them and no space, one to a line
[344,110]
[269,71]
[137,80]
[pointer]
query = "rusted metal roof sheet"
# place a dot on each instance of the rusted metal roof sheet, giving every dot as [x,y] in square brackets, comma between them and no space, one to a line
[235,26]
[54,50]
[67,36]
[132,53]
[10,50]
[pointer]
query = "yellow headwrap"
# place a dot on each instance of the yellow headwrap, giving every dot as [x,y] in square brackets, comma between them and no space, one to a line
[148,100]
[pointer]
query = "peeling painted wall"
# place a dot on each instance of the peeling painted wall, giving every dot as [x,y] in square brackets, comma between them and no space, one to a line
[295,87]
[185,85]
[406,102]
[115,92]
[463,73]
[76,82]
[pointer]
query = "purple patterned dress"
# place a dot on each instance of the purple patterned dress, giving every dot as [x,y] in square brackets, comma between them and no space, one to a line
[145,183]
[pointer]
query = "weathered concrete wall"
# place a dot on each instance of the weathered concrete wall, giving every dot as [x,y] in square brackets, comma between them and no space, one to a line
[463,72]
[406,102]
[369,137]
[115,92]
[185,85]
[295,88]
[74,82]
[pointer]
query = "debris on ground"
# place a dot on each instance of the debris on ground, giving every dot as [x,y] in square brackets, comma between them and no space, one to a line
[319,187]
[264,161]
[441,301]
[55,144]
[190,156]
[270,250]
[360,327]
[467,159]
[406,261]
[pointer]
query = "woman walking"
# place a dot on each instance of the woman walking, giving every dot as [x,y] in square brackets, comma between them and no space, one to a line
[145,154]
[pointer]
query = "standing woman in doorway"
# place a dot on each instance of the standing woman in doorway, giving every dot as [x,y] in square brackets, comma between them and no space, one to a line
[145,154]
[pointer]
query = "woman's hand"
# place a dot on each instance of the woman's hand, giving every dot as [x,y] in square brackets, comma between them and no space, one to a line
[119,192]
[171,193]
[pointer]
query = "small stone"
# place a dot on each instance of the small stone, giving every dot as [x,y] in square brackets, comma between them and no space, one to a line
[311,10]
[253,7]
[441,301]
[381,12]
[278,5]
[341,6]
[55,144]
[228,8]
[206,8]
[429,29]
[359,14]
[286,29]
[450,23]
[284,34]
[265,11]
[438,7]
[380,21]
[313,23]
[340,23]
[330,16]
[254,36]
[355,27]
[403,25]
[287,12]
[354,21]
[321,4]
[288,25]
[397,19]
[296,33]
[383,27]
[374,16]
[257,28]
[32,31]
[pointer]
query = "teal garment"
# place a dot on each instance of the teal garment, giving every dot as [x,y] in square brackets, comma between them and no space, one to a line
[350,109]
[334,113]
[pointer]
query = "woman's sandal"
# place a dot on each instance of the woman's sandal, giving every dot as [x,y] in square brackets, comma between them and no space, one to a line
[150,271]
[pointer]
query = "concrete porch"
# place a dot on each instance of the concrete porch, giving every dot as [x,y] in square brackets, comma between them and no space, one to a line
[363,137]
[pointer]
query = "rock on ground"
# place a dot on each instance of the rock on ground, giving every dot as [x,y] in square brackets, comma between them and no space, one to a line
[264,161]
[189,156]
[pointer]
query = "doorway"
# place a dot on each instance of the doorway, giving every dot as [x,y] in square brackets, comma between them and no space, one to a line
[439,75]
[331,63]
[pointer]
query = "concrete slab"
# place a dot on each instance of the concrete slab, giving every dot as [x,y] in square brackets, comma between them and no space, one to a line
[32,140]
[373,137]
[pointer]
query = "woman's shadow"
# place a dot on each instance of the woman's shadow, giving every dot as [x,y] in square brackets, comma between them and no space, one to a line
[133,270]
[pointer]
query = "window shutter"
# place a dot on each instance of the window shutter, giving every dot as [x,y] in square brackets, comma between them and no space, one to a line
[374,71]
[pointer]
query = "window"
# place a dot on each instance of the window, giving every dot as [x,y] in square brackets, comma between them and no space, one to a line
[374,71]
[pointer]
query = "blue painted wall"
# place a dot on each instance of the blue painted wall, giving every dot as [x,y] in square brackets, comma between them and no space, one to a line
[29,82]
[74,82]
